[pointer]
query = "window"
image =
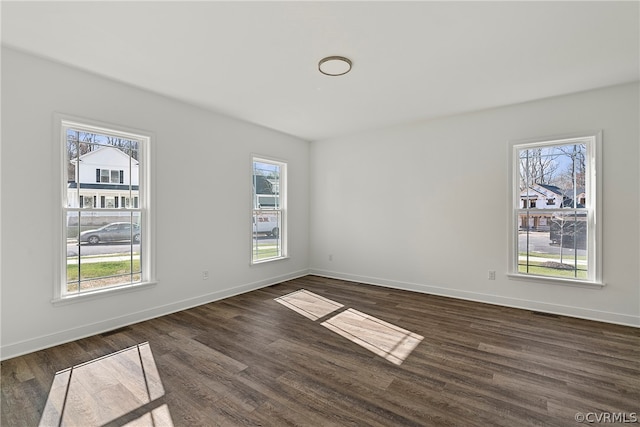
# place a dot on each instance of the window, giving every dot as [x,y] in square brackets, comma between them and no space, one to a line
[559,240]
[105,239]
[113,176]
[268,215]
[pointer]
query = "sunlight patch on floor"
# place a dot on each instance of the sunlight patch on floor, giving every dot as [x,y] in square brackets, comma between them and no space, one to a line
[159,417]
[382,338]
[308,304]
[108,389]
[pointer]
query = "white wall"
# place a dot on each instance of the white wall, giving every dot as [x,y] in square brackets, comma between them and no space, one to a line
[203,196]
[421,207]
[426,206]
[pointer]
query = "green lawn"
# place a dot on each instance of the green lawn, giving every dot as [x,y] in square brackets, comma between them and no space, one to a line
[265,250]
[537,269]
[91,270]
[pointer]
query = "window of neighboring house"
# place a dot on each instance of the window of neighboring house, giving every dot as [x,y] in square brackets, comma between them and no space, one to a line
[112,176]
[560,243]
[269,210]
[104,175]
[105,244]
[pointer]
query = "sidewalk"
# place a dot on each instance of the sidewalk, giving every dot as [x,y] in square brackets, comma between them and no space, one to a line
[102,258]
[565,260]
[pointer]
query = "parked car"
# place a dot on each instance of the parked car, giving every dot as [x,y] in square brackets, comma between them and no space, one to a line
[114,232]
[267,224]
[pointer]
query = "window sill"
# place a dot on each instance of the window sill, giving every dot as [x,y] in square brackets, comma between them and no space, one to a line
[266,261]
[101,293]
[556,280]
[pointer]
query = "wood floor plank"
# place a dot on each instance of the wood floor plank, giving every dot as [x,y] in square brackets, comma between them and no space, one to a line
[249,360]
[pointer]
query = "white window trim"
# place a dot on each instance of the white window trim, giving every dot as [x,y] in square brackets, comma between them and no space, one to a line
[594,243]
[147,216]
[283,195]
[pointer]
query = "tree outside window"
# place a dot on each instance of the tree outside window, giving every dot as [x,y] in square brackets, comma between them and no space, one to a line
[554,197]
[104,232]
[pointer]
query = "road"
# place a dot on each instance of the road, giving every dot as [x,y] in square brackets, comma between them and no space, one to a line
[125,247]
[539,242]
[101,249]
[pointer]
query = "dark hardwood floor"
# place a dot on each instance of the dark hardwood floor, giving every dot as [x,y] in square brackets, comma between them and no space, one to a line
[250,360]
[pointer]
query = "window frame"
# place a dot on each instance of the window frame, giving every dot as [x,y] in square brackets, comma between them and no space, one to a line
[593,190]
[146,195]
[282,201]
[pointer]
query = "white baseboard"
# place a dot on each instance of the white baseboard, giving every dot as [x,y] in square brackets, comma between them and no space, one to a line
[8,351]
[564,310]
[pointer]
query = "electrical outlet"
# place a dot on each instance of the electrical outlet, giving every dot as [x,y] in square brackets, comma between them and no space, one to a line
[492,275]
[205,274]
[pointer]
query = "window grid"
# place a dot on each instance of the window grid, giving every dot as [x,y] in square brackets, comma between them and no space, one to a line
[555,205]
[88,217]
[268,211]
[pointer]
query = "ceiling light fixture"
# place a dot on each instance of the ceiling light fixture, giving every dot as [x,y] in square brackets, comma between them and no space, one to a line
[334,65]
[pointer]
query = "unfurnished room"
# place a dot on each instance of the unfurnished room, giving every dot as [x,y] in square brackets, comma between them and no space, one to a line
[319,213]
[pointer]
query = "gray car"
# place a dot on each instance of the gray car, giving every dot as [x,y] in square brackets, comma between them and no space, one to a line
[114,232]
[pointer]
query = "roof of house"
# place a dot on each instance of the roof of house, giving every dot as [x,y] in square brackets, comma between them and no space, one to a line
[99,154]
[552,188]
[567,196]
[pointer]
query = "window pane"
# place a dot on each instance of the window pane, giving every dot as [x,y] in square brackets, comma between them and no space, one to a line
[102,249]
[100,171]
[266,184]
[136,247]
[266,235]
[73,250]
[267,210]
[556,172]
[553,245]
[71,182]
[131,173]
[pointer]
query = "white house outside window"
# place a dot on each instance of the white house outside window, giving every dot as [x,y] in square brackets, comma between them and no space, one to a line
[555,225]
[269,210]
[105,209]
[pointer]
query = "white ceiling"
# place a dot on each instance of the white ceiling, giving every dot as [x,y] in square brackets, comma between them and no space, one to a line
[257,61]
